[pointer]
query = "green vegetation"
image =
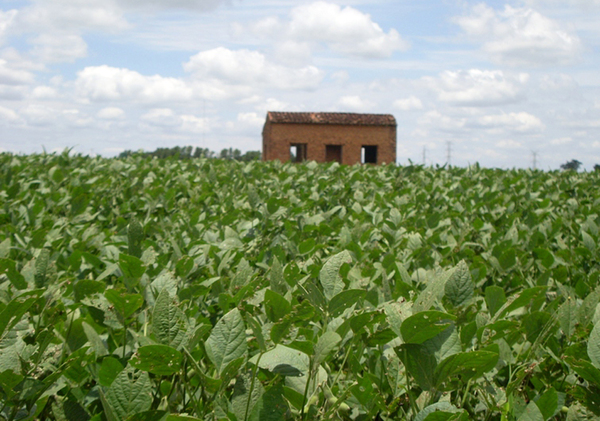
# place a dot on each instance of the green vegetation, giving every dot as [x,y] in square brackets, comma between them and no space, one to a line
[148,289]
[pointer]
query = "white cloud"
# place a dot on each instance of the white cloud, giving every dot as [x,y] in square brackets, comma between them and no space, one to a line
[520,36]
[111,113]
[105,83]
[6,20]
[436,120]
[250,69]
[59,47]
[345,30]
[509,144]
[354,103]
[44,92]
[193,124]
[519,122]
[161,117]
[408,104]
[72,15]
[39,115]
[476,88]
[12,76]
[561,140]
[251,119]
[200,5]
[6,114]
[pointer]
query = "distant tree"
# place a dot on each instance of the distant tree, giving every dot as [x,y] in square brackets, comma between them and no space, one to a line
[597,167]
[571,165]
[251,156]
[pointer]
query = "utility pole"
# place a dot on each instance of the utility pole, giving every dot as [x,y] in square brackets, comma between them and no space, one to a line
[534,153]
[424,155]
[449,153]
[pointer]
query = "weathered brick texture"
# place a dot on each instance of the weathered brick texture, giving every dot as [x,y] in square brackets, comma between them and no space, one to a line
[317,130]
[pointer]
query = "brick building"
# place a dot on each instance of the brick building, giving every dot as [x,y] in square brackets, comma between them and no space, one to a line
[324,137]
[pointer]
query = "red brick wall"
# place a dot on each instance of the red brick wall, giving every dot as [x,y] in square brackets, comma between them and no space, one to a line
[278,137]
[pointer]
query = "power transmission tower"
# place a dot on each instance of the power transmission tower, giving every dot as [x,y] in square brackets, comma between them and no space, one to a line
[424,155]
[534,153]
[449,153]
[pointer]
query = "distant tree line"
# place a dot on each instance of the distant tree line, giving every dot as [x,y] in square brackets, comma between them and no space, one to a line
[189,152]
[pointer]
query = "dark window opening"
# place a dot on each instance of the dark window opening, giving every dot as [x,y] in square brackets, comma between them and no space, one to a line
[298,152]
[368,154]
[333,153]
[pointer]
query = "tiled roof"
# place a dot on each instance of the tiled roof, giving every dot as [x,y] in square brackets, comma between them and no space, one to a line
[332,118]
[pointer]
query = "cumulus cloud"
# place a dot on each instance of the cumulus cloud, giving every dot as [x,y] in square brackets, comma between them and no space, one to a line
[354,103]
[59,47]
[476,88]
[436,120]
[11,76]
[518,122]
[111,113]
[345,30]
[6,20]
[520,36]
[250,69]
[8,115]
[105,83]
[408,104]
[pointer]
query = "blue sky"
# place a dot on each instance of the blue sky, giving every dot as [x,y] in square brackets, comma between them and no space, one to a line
[498,81]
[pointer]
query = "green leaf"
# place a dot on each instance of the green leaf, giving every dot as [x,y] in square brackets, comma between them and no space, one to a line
[161,360]
[344,300]
[396,313]
[548,403]
[329,275]
[508,259]
[135,236]
[531,413]
[568,316]
[425,325]
[545,256]
[283,358]
[130,393]
[459,287]
[276,306]
[41,265]
[227,340]
[244,399]
[326,343]
[125,304]
[467,365]
[419,362]
[15,309]
[588,241]
[593,346]
[9,267]
[169,323]
[306,246]
[586,370]
[272,405]
[494,298]
[109,370]
[131,266]
[94,339]
[276,278]
[437,412]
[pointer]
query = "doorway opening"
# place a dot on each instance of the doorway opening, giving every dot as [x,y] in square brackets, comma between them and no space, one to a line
[368,154]
[298,152]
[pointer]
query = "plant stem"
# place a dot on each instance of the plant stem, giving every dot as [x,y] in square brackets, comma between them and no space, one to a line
[252,386]
[306,389]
